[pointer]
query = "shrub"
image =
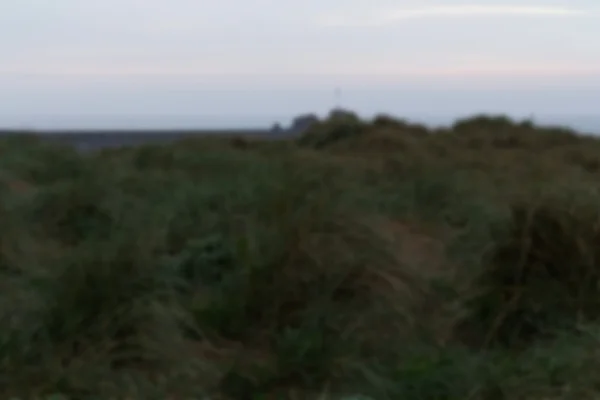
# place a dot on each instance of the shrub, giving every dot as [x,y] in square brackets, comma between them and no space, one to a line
[339,126]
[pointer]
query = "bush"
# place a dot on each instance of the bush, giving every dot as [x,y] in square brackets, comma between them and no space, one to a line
[339,126]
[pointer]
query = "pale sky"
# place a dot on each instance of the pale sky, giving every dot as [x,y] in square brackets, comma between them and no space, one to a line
[254,58]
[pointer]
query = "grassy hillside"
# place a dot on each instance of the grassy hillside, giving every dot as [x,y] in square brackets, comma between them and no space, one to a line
[374,258]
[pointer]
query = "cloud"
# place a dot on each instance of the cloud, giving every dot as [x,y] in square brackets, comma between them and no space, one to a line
[391,16]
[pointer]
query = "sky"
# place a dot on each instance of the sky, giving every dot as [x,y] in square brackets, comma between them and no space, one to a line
[113,61]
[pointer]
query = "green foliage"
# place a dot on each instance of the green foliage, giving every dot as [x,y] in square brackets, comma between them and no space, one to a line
[543,270]
[379,258]
[32,159]
[339,126]
[399,125]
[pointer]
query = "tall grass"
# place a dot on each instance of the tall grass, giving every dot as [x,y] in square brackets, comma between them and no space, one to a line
[380,259]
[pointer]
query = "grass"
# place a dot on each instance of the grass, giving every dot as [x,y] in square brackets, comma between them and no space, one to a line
[374,258]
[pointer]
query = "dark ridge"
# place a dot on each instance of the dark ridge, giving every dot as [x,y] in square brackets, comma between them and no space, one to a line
[98,139]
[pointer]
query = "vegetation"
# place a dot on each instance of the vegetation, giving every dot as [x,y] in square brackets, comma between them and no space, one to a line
[374,258]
